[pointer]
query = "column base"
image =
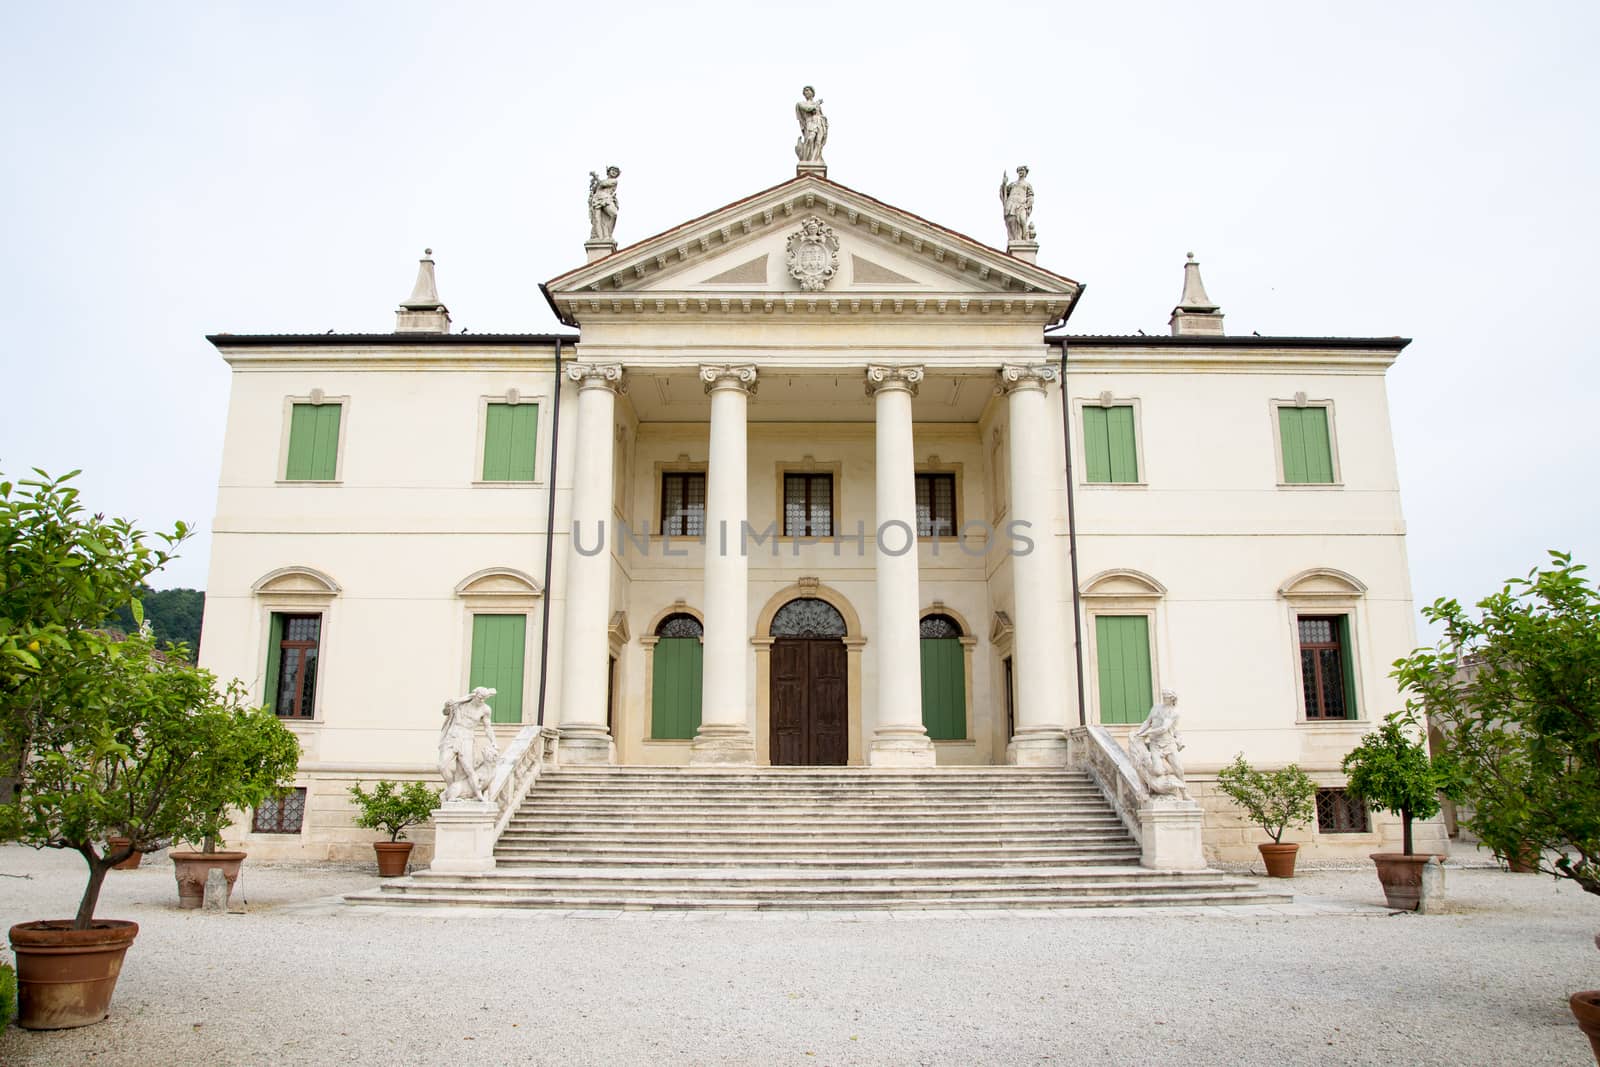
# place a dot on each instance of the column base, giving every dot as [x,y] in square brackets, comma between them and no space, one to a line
[463,837]
[584,744]
[1038,748]
[723,744]
[1171,833]
[901,747]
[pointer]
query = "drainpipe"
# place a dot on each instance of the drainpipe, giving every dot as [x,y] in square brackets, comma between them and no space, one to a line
[1072,508]
[1072,536]
[550,542]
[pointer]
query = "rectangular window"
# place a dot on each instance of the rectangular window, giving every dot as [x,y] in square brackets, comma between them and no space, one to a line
[1326,674]
[509,435]
[293,642]
[498,642]
[936,505]
[282,814]
[313,443]
[1122,652]
[1109,444]
[683,504]
[1340,813]
[808,505]
[1307,447]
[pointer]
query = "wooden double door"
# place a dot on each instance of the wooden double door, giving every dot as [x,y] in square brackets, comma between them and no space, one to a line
[810,702]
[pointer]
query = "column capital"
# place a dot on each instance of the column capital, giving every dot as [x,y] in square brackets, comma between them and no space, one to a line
[741,376]
[881,376]
[1014,376]
[598,376]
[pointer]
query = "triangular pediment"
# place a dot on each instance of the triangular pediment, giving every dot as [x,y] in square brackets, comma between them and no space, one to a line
[739,257]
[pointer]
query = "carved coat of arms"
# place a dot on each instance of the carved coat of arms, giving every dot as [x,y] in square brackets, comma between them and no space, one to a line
[813,254]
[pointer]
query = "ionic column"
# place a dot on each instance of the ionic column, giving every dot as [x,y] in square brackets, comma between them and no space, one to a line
[900,739]
[585,654]
[724,736]
[1042,650]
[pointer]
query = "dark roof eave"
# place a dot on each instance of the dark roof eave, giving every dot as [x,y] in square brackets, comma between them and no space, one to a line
[1384,344]
[389,340]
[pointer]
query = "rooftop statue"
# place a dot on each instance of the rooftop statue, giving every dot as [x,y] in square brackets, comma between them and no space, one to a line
[603,204]
[813,127]
[1017,198]
[1154,749]
[465,770]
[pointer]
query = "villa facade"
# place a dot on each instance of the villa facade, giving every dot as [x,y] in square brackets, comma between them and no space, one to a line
[810,480]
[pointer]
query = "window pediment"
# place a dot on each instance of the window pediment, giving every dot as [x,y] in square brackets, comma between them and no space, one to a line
[1123,583]
[498,582]
[295,581]
[1322,582]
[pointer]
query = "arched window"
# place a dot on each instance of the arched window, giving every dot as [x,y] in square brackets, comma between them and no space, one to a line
[808,617]
[675,692]
[944,679]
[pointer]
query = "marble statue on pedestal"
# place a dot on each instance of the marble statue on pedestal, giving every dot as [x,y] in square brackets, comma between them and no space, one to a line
[1154,749]
[603,204]
[813,127]
[465,769]
[1017,199]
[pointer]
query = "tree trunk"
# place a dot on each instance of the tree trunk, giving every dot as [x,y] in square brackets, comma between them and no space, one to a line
[91,893]
[1405,823]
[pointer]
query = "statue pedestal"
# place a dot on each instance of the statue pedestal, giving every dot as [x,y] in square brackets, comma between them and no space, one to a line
[1028,251]
[463,837]
[598,249]
[819,168]
[1171,832]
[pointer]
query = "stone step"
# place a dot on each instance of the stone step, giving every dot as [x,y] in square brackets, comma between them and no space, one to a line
[895,812]
[794,824]
[758,852]
[508,860]
[814,837]
[620,903]
[1073,792]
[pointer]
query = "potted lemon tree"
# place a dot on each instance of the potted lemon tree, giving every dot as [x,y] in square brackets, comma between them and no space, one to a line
[102,736]
[392,809]
[1274,801]
[1391,772]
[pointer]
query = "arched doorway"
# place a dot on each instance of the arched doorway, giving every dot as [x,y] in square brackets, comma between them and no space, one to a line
[809,685]
[944,678]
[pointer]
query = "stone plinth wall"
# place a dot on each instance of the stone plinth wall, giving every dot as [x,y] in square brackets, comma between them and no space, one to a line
[328,831]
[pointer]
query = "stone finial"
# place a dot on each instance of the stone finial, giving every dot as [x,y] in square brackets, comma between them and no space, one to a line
[1195,313]
[422,311]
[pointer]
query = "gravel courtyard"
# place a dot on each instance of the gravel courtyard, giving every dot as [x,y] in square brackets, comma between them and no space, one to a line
[1331,979]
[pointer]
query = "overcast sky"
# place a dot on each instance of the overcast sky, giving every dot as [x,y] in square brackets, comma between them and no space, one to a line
[1359,169]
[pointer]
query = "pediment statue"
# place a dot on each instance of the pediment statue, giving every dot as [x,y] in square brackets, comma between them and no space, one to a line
[813,127]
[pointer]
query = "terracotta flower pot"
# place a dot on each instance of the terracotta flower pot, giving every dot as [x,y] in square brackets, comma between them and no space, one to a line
[1586,1006]
[190,869]
[1279,859]
[114,843]
[65,977]
[392,857]
[1401,876]
[1523,861]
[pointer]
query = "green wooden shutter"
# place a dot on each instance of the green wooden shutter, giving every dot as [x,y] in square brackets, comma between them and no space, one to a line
[1108,444]
[509,437]
[1096,445]
[1120,444]
[313,443]
[274,661]
[1347,659]
[1122,650]
[497,645]
[1307,449]
[944,689]
[675,688]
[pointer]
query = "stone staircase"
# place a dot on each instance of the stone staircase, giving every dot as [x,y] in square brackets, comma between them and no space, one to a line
[817,839]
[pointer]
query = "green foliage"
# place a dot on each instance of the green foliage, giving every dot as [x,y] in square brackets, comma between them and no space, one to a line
[392,811]
[104,736]
[1514,690]
[1274,801]
[174,614]
[8,994]
[1393,773]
